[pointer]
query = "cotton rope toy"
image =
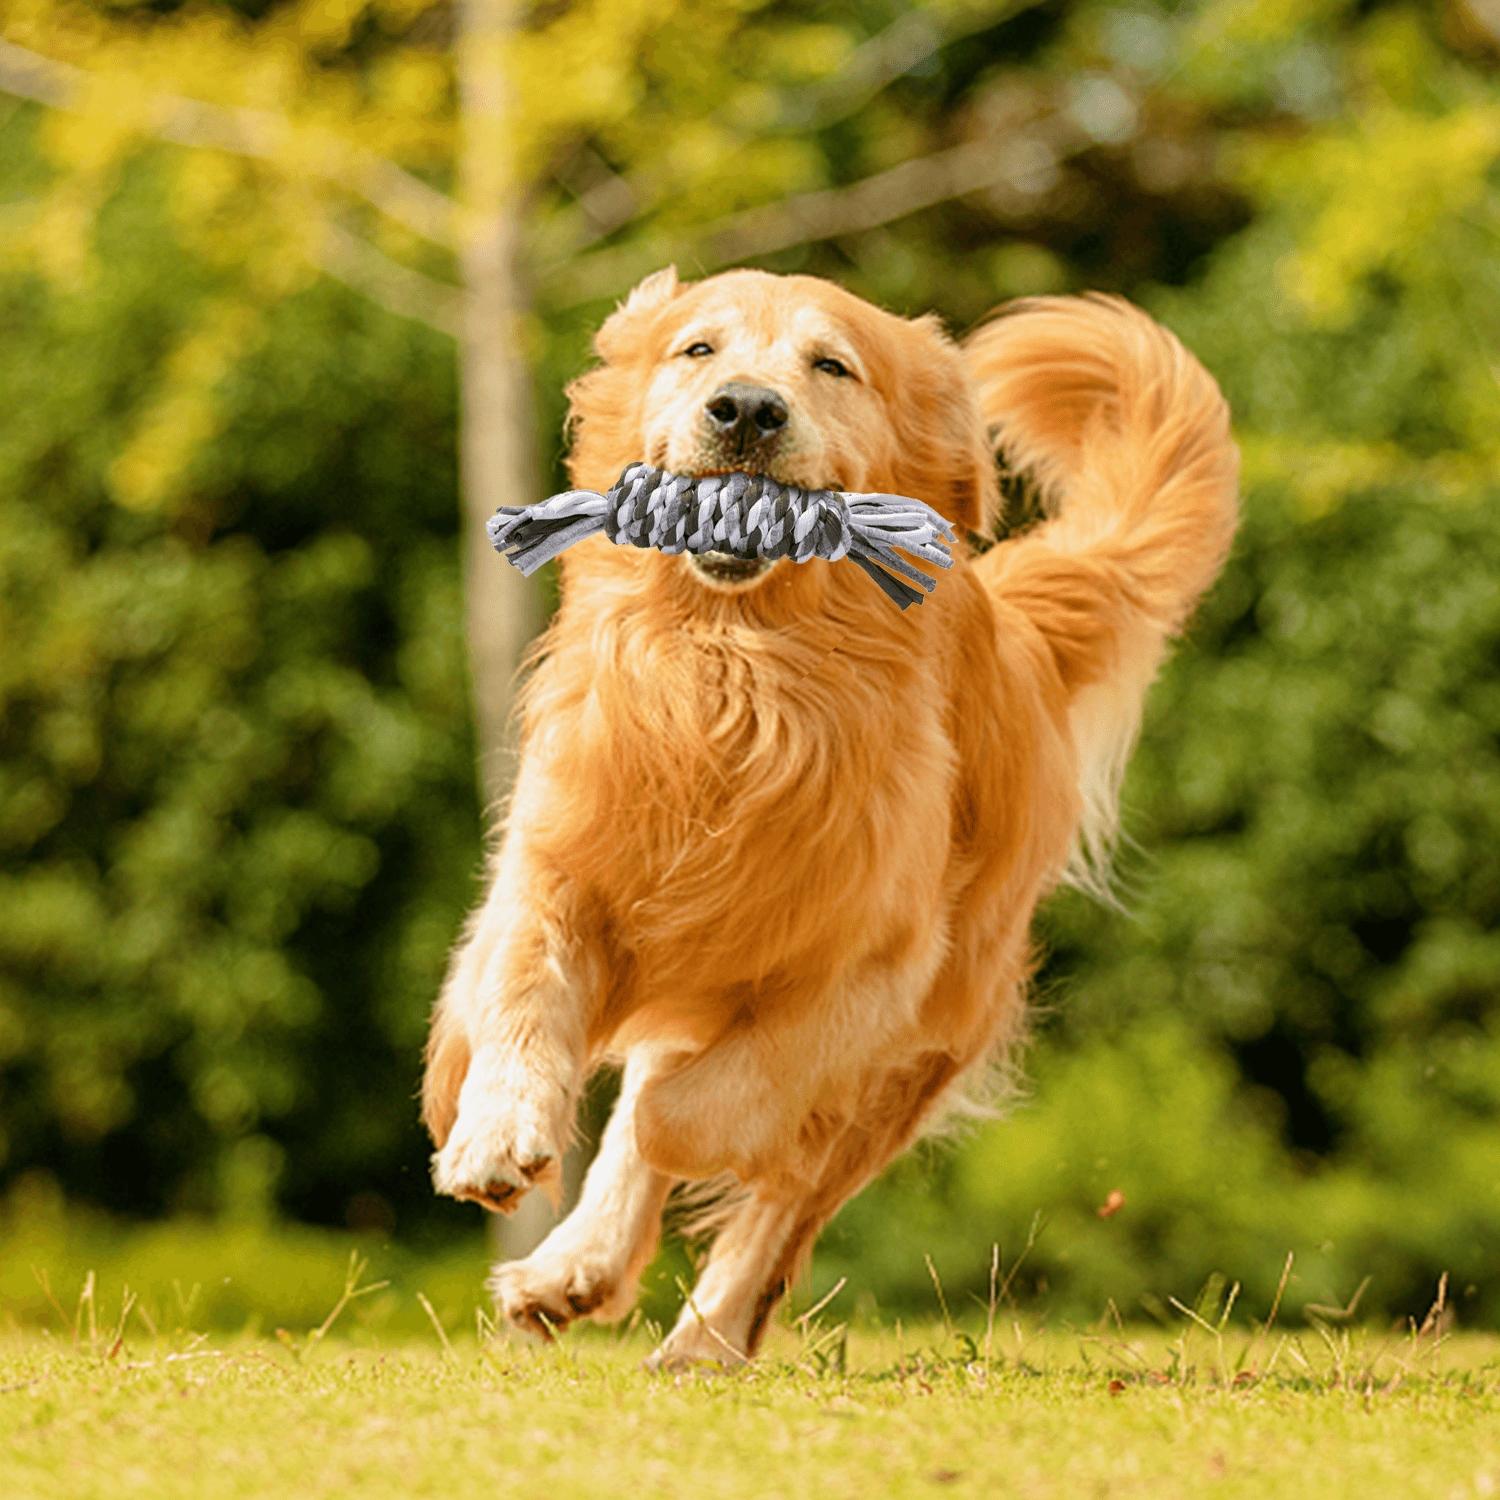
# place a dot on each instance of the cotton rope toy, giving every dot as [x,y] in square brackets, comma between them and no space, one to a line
[746,516]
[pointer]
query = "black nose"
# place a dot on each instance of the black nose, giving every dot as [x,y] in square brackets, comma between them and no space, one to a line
[745,414]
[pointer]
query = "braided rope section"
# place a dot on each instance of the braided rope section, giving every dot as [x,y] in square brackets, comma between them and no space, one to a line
[744,515]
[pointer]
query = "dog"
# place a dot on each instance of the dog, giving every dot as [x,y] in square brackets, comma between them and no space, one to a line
[775,846]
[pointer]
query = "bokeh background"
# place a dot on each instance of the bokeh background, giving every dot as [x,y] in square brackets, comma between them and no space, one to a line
[288,293]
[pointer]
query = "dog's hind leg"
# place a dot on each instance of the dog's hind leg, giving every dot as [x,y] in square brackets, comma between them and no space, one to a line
[764,1099]
[769,1234]
[590,1264]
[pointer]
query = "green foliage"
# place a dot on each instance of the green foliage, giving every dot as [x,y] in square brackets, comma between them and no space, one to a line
[236,807]
[189,1275]
[237,824]
[1292,1040]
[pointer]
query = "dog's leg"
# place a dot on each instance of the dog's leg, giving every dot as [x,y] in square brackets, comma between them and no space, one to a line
[590,1264]
[753,1101]
[768,1237]
[511,1032]
[755,1254]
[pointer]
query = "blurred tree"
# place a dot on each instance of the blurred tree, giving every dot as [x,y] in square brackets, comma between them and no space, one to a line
[586,147]
[236,802]
[243,928]
[278,143]
[438,159]
[1293,1042]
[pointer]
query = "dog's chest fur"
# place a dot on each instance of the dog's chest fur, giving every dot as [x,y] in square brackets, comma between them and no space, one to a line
[741,802]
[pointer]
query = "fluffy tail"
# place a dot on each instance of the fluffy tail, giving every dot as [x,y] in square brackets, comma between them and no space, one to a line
[1127,437]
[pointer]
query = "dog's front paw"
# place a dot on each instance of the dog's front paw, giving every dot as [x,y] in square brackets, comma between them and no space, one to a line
[550,1288]
[508,1137]
[495,1164]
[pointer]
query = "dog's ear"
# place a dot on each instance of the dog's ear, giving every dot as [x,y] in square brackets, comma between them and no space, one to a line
[604,403]
[946,451]
[614,336]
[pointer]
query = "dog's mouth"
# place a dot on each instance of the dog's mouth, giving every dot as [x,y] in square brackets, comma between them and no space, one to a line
[726,570]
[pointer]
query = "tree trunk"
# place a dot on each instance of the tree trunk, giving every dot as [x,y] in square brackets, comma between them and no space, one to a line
[498,440]
[498,463]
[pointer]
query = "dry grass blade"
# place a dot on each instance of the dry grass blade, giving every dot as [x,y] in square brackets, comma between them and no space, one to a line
[803,1319]
[117,1339]
[1264,1330]
[937,1286]
[86,1305]
[437,1324]
[1033,1234]
[44,1281]
[991,1303]
[352,1292]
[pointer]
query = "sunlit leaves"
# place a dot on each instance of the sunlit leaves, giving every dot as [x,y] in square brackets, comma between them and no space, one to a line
[1382,197]
[182,415]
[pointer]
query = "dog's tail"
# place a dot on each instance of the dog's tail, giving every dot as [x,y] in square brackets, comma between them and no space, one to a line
[1127,438]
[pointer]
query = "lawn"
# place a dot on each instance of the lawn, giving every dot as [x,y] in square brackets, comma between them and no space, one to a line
[111,1404]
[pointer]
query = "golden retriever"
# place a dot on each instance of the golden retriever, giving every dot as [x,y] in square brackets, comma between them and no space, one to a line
[775,845]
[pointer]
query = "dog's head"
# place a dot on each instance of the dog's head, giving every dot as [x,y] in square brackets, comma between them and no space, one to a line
[783,375]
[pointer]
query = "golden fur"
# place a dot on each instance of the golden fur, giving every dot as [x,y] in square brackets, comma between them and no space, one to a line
[777,846]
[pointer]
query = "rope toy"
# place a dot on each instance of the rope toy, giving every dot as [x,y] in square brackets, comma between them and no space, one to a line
[744,515]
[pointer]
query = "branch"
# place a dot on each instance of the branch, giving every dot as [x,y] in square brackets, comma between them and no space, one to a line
[891,54]
[878,199]
[922,182]
[399,289]
[603,200]
[869,70]
[256,134]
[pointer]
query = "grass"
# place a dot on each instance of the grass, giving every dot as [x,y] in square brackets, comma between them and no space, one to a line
[112,1401]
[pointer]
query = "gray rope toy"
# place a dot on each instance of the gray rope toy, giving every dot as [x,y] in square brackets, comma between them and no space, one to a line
[744,515]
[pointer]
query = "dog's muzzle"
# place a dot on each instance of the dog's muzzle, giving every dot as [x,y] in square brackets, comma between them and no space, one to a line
[725,568]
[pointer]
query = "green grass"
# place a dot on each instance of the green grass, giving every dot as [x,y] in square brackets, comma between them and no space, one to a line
[224,1277]
[112,1403]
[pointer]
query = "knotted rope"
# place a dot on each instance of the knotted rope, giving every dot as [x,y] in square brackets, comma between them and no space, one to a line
[743,515]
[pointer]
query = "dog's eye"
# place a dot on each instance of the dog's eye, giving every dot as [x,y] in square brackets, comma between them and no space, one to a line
[831,367]
[698,350]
